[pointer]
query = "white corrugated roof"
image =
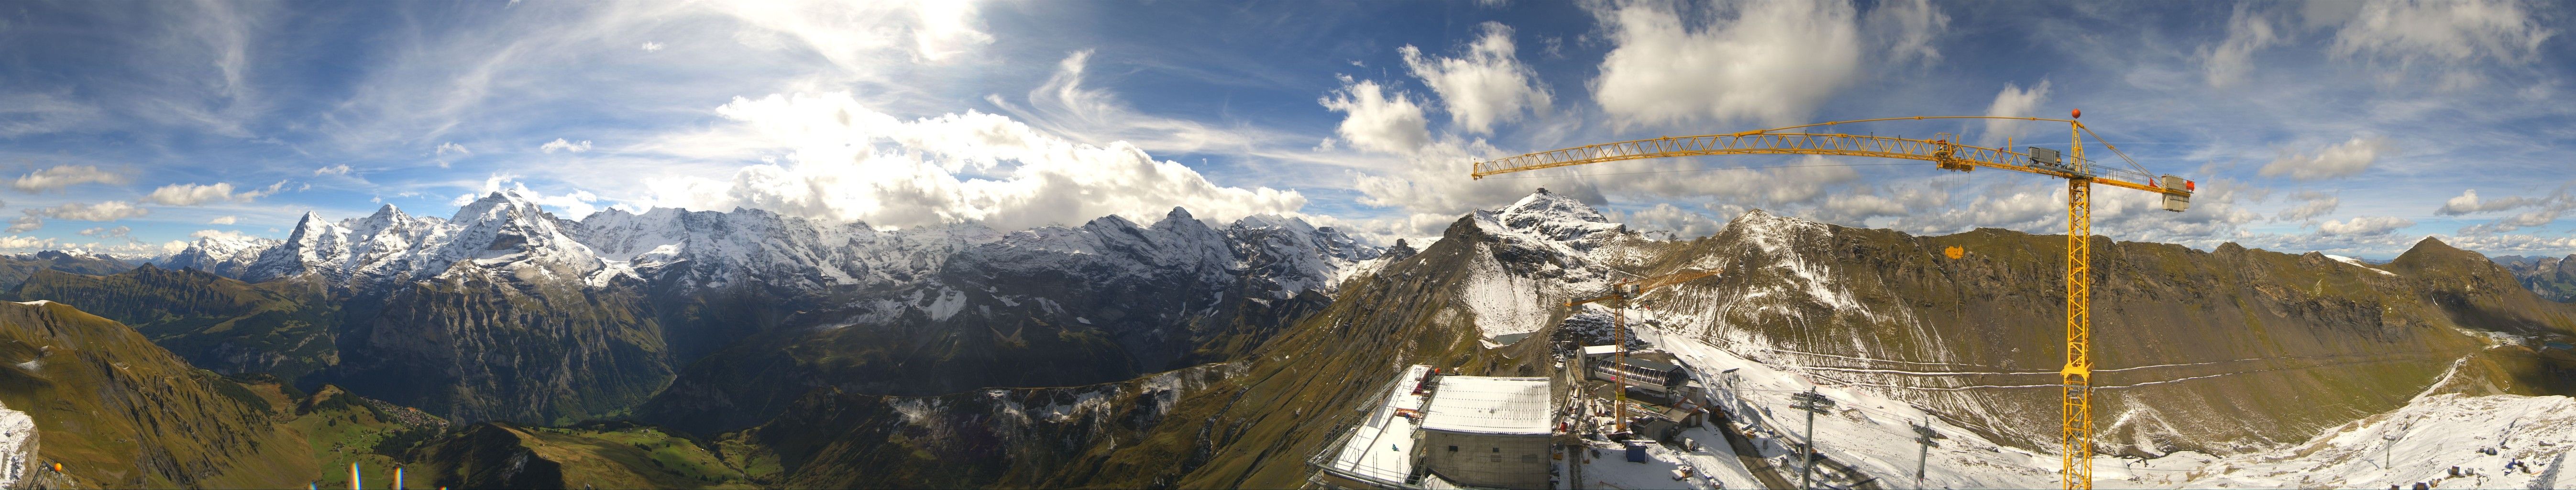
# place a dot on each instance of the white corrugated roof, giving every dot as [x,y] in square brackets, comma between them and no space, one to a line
[1382,447]
[1595,350]
[1489,405]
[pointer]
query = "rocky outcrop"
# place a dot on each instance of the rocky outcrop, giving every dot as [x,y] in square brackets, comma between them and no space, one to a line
[2553,278]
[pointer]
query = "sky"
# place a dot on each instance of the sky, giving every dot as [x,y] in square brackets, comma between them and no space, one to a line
[2351,128]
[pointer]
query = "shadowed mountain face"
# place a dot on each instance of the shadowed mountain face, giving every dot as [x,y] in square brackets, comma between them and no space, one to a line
[2553,278]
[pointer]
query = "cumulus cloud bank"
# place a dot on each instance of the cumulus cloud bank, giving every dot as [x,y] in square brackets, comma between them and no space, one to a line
[848,161]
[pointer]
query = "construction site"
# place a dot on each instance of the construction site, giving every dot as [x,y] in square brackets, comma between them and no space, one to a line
[1439,429]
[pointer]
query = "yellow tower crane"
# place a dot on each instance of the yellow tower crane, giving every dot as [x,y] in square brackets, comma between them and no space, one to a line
[1621,293]
[2076,422]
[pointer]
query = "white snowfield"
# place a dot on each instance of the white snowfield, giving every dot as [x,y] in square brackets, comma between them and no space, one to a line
[2358,263]
[2432,435]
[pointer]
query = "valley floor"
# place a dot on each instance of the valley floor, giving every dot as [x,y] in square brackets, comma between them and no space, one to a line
[2443,441]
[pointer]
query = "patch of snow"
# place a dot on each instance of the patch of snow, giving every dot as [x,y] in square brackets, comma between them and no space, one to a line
[949,303]
[2358,263]
[35,303]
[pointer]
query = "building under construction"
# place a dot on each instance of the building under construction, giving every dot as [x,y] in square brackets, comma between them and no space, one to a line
[1433,431]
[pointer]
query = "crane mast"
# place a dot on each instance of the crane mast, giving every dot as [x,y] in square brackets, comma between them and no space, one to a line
[1620,294]
[2075,440]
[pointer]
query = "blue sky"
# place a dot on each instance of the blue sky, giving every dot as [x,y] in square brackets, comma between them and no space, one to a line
[2351,128]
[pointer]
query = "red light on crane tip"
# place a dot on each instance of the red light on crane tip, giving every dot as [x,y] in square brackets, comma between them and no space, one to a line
[2076,114]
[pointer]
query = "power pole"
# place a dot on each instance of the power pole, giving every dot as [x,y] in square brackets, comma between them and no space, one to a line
[1925,435]
[1812,403]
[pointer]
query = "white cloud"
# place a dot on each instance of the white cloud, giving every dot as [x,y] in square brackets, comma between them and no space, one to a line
[25,112]
[195,194]
[2341,160]
[849,161]
[2546,211]
[1377,120]
[14,242]
[2248,31]
[650,46]
[1908,27]
[1800,182]
[2312,204]
[224,220]
[574,205]
[1486,86]
[342,169]
[2449,32]
[30,222]
[60,176]
[105,211]
[107,232]
[173,247]
[856,34]
[2468,202]
[1769,61]
[1684,223]
[221,234]
[560,144]
[1065,106]
[2013,101]
[2364,226]
[451,147]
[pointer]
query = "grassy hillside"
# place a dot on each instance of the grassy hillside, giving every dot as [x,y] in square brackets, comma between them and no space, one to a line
[281,328]
[611,455]
[118,411]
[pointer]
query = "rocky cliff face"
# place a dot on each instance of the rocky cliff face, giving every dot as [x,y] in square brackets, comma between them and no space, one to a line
[2553,278]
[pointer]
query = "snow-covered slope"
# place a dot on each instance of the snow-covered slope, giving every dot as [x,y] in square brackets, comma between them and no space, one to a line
[502,231]
[1291,256]
[688,250]
[220,255]
[1544,249]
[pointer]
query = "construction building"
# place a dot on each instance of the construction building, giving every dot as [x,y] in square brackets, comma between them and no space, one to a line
[1649,371]
[1434,431]
[1489,431]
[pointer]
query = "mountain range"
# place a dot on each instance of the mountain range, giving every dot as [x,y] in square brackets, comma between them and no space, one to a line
[772,350]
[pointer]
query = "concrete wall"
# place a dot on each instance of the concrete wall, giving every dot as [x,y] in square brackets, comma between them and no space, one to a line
[1516,461]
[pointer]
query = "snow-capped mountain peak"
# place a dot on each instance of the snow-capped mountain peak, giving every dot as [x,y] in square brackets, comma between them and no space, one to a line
[1553,221]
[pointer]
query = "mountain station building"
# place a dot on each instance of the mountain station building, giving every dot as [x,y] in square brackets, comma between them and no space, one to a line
[1435,431]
